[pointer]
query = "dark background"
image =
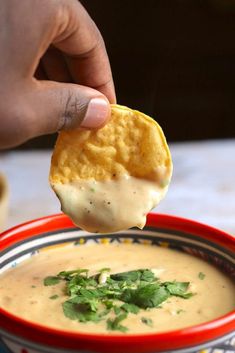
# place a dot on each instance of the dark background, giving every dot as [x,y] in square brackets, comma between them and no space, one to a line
[173,60]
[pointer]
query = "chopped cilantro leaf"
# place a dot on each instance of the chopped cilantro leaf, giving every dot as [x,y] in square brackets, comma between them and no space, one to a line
[108,304]
[147,275]
[179,311]
[201,275]
[130,308]
[147,321]
[70,310]
[178,289]
[126,276]
[133,276]
[51,280]
[90,303]
[149,296]
[117,309]
[114,324]
[55,296]
[79,312]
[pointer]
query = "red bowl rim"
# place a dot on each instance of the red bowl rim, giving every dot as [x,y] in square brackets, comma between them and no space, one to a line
[190,336]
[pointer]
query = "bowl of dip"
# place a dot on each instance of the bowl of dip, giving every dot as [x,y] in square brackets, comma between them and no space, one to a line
[177,250]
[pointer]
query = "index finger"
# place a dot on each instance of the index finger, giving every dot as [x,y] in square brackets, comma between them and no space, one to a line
[85,50]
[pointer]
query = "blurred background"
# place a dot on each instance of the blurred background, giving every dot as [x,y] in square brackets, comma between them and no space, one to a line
[173,60]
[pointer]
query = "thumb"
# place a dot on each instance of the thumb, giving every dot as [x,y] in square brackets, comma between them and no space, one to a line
[56,106]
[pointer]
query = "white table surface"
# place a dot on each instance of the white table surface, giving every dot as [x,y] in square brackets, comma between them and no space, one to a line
[202,187]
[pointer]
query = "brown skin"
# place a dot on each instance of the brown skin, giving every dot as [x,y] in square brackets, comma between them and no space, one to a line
[57,41]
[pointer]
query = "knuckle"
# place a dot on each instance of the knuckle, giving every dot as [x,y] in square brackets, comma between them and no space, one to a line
[64,19]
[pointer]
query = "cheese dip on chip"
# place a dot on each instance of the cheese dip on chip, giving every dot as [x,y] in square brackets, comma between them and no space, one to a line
[109,179]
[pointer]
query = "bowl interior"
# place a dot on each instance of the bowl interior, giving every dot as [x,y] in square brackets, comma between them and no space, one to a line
[195,239]
[189,243]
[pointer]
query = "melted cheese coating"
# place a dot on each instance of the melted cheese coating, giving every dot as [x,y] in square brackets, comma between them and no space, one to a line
[111,205]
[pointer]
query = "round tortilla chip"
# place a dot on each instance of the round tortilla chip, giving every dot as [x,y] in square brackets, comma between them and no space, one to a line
[131,143]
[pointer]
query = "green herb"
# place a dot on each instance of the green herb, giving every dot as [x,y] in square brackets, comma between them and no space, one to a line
[55,296]
[92,189]
[108,304]
[147,321]
[117,309]
[133,276]
[130,308]
[147,276]
[79,312]
[51,280]
[178,289]
[179,311]
[149,296]
[201,275]
[112,297]
[114,324]
[33,286]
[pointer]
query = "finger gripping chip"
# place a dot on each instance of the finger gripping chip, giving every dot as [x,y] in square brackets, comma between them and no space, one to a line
[130,149]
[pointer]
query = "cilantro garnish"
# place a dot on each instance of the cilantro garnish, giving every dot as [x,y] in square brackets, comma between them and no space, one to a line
[114,324]
[55,296]
[80,311]
[178,289]
[179,311]
[147,321]
[130,308]
[133,276]
[201,275]
[148,296]
[112,297]
[51,280]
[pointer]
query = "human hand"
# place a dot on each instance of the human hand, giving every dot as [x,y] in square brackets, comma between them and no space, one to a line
[61,34]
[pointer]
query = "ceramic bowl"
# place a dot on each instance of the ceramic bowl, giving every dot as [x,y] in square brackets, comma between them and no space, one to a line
[215,246]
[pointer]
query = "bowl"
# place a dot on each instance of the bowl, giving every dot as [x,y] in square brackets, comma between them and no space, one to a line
[213,245]
[4,196]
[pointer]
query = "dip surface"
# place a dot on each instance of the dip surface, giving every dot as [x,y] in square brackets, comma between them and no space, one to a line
[23,293]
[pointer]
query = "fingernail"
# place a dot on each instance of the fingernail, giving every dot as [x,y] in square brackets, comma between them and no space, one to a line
[97,113]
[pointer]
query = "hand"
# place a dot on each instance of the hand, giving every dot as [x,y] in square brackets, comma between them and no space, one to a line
[61,34]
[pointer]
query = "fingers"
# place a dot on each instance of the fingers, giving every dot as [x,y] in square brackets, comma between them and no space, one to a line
[86,57]
[65,106]
[31,108]
[47,107]
[30,27]
[55,66]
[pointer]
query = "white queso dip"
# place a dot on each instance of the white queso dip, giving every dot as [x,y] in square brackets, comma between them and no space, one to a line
[208,293]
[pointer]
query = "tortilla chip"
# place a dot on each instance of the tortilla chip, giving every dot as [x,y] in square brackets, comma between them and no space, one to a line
[131,143]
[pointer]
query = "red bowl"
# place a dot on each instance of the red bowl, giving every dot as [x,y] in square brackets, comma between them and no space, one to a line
[197,239]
